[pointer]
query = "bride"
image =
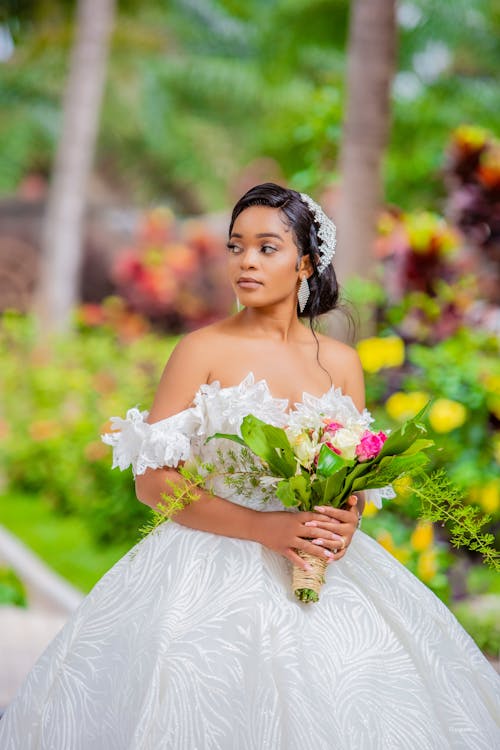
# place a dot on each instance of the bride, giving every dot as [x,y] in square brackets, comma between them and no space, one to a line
[194,640]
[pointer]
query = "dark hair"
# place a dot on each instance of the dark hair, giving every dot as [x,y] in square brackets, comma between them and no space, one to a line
[324,289]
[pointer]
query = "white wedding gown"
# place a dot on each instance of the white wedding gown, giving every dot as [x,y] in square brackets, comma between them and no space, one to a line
[195,641]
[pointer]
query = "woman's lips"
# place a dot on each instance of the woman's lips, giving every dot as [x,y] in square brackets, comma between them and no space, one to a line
[248,284]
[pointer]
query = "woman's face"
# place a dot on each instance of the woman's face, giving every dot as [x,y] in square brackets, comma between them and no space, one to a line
[261,247]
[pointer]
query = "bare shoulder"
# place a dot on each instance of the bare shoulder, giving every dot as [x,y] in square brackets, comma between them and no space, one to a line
[342,356]
[186,369]
[343,362]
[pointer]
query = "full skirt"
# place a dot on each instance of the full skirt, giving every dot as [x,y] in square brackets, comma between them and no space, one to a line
[195,641]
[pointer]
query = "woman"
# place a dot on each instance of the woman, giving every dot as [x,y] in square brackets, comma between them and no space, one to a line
[194,640]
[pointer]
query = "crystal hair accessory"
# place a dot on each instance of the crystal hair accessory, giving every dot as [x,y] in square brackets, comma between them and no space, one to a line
[327,233]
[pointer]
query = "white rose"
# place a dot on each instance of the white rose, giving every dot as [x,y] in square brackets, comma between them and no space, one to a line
[346,440]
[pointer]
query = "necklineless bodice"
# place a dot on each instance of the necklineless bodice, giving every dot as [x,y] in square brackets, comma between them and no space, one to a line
[249,381]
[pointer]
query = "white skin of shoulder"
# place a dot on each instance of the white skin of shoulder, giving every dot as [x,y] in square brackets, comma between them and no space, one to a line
[267,338]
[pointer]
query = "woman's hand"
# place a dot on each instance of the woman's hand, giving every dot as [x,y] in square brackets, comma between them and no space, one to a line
[286,532]
[341,525]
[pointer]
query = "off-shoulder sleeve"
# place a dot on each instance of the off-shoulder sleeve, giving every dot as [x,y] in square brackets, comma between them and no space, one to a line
[142,446]
[376,496]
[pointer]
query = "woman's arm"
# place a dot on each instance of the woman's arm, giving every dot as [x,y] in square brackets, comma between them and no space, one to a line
[281,531]
[185,370]
[207,513]
[278,530]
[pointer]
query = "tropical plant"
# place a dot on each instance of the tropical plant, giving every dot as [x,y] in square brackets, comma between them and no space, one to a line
[169,127]
[174,275]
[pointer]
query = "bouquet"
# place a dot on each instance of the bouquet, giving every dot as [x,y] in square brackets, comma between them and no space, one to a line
[323,459]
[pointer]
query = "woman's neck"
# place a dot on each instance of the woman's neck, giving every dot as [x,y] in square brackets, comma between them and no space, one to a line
[275,323]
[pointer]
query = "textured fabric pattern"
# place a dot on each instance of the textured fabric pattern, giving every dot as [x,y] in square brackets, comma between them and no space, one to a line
[141,445]
[194,641]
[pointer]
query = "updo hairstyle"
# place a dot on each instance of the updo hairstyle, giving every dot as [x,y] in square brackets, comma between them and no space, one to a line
[324,289]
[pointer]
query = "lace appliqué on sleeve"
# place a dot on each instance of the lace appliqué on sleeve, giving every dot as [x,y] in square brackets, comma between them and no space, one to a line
[376,496]
[143,446]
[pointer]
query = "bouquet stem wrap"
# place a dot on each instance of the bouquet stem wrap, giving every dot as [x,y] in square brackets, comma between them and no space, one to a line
[306,584]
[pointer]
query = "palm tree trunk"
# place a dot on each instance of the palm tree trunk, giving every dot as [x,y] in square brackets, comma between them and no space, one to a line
[370,70]
[62,231]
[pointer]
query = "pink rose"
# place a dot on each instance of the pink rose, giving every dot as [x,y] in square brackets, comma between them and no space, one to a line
[370,445]
[332,427]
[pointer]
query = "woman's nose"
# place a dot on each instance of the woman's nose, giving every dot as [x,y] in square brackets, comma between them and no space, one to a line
[249,258]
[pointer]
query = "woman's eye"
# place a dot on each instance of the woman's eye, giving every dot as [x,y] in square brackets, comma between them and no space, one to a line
[236,248]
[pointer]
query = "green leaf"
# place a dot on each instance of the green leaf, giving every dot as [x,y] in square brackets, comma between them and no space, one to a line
[329,462]
[402,439]
[301,485]
[419,445]
[269,443]
[295,491]
[389,469]
[285,493]
[329,491]
[362,469]
[235,438]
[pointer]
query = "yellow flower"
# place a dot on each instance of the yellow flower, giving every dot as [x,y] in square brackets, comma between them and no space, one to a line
[473,136]
[474,493]
[376,353]
[489,497]
[384,538]
[402,486]
[370,510]
[401,554]
[422,536]
[427,565]
[428,232]
[401,406]
[492,383]
[446,415]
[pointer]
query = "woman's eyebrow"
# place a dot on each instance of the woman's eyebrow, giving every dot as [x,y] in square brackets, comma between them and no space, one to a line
[262,234]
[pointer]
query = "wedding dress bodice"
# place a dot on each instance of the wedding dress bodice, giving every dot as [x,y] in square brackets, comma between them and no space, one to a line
[181,436]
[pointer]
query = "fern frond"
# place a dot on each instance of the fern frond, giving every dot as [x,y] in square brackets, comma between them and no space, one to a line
[442,502]
[180,495]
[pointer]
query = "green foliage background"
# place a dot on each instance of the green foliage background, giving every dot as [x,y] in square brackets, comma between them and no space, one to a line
[196,92]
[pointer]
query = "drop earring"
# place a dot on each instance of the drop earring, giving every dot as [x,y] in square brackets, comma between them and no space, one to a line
[303,293]
[238,304]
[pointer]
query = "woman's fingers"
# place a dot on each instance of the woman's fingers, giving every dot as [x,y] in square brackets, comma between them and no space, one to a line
[324,531]
[323,554]
[296,559]
[331,544]
[320,551]
[338,514]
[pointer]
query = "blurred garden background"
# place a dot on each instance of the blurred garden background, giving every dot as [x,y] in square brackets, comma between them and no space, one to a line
[128,131]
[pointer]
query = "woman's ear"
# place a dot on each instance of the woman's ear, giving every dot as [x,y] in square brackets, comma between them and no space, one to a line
[306,265]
